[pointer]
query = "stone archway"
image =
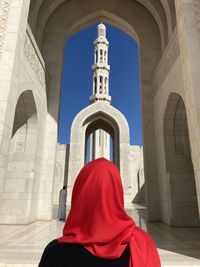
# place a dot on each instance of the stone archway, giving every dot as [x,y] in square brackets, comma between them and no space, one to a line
[19,178]
[93,133]
[140,19]
[180,172]
[112,121]
[52,22]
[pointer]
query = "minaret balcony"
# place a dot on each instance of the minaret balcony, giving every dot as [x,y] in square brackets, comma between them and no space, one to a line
[101,40]
[101,66]
[100,97]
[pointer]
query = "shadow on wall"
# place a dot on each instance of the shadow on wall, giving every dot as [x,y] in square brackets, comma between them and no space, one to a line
[140,196]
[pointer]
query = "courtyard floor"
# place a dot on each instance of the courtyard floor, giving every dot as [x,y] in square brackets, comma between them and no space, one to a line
[22,245]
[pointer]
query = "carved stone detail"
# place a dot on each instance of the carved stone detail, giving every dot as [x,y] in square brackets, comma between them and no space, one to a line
[4,21]
[168,58]
[34,61]
[197,11]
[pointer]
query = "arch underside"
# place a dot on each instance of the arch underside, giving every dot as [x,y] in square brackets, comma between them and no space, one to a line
[98,115]
[98,112]
[161,11]
[101,116]
[108,125]
[99,124]
[25,109]
[57,21]
[19,175]
[149,23]
[182,187]
[91,131]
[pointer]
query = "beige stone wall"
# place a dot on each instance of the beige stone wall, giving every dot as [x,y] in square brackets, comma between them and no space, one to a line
[24,194]
[172,76]
[60,172]
[164,70]
[189,37]
[136,174]
[167,78]
[172,84]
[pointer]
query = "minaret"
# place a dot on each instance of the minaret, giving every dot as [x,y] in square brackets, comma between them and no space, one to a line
[99,139]
[100,67]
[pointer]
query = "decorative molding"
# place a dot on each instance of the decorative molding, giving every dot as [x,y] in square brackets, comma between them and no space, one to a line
[197,11]
[4,13]
[168,58]
[34,61]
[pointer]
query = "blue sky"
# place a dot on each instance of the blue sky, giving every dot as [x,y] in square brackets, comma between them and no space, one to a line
[77,79]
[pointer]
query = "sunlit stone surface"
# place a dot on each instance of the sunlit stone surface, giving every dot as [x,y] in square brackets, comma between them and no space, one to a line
[22,246]
[32,38]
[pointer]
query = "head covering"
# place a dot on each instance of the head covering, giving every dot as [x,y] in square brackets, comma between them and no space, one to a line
[97,219]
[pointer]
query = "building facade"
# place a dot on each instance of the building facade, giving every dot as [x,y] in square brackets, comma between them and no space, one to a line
[32,38]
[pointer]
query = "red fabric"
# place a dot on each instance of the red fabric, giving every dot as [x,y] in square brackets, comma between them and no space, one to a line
[98,221]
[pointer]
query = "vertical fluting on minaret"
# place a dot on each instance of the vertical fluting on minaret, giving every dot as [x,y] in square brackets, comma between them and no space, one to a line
[100,67]
[99,139]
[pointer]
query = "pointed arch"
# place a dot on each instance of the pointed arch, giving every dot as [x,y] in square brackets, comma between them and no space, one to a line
[180,172]
[96,116]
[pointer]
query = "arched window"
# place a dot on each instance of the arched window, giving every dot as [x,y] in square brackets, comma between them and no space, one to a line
[179,165]
[105,85]
[96,56]
[101,84]
[22,154]
[105,54]
[101,55]
[95,85]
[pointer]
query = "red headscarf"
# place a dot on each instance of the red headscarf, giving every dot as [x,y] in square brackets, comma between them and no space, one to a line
[98,221]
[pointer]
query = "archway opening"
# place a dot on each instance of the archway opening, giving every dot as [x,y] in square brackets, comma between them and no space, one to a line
[99,141]
[124,88]
[24,134]
[22,158]
[101,122]
[124,80]
[179,167]
[140,19]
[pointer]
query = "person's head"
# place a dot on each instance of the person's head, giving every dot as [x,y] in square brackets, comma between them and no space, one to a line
[99,180]
[97,203]
[97,195]
[64,187]
[97,219]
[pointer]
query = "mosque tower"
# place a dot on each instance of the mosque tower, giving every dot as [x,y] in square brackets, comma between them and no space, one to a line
[100,67]
[99,139]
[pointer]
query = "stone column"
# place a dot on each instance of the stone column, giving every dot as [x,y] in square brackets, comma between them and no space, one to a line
[13,23]
[149,150]
[188,20]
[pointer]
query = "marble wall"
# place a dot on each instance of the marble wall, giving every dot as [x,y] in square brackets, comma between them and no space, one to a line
[168,38]
[23,119]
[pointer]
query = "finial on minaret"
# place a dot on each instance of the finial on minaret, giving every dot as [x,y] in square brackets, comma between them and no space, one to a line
[101,30]
[100,67]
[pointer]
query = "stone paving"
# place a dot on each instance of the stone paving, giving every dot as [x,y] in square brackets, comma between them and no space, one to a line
[22,245]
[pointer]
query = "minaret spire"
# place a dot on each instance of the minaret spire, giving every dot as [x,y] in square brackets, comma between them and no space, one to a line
[100,139]
[100,67]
